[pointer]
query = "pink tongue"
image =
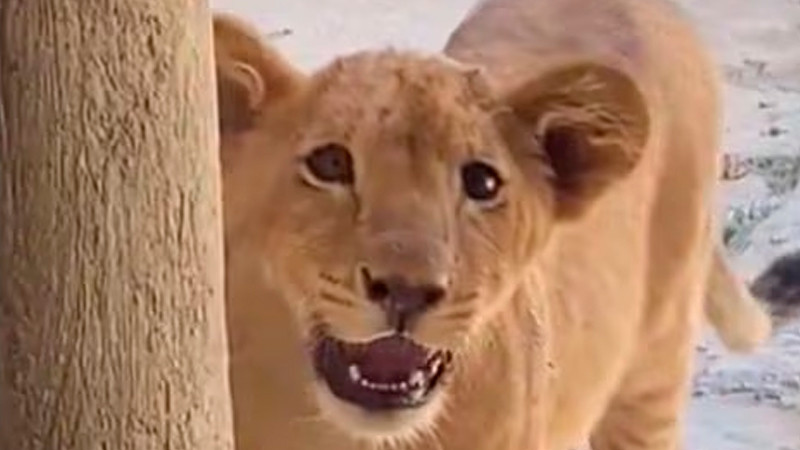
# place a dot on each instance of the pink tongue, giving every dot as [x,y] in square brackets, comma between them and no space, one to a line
[391,359]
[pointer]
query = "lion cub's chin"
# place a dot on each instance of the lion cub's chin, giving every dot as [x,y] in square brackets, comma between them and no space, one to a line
[390,425]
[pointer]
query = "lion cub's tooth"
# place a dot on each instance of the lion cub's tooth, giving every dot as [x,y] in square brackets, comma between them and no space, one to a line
[416,394]
[355,374]
[417,378]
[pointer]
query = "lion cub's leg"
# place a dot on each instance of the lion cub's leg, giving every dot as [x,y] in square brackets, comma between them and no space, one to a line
[646,413]
[647,410]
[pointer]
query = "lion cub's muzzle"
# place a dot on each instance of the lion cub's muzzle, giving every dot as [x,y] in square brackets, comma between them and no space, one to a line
[390,372]
[404,274]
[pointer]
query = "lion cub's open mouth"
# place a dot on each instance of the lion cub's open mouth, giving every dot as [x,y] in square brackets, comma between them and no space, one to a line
[386,373]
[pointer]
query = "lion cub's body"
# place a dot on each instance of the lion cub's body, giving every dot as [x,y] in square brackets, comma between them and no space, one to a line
[623,285]
[626,282]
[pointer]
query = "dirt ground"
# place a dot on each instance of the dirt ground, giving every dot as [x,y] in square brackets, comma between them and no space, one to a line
[749,402]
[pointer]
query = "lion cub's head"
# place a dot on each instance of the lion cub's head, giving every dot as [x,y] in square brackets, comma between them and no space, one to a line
[396,200]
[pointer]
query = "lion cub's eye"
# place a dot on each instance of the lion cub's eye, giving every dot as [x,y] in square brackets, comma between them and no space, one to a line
[331,163]
[480,181]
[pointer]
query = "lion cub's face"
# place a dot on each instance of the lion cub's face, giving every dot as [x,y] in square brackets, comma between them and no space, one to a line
[397,230]
[401,200]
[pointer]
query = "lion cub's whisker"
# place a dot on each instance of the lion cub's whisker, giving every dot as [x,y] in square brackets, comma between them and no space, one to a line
[466,298]
[456,315]
[327,296]
[331,279]
[311,418]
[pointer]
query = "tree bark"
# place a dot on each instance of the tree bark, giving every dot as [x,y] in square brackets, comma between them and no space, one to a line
[111,275]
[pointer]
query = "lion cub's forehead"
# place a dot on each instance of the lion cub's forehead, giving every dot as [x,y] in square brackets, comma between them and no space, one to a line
[400,92]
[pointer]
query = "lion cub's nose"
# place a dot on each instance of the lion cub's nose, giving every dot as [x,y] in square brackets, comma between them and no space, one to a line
[403,302]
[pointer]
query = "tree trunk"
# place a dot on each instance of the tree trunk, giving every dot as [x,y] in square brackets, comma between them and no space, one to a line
[111,291]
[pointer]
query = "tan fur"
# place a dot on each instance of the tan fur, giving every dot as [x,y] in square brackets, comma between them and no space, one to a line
[573,301]
[741,321]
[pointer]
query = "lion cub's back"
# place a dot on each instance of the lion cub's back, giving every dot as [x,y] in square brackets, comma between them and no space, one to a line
[519,38]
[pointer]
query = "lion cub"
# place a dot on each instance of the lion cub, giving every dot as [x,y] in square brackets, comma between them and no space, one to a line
[503,247]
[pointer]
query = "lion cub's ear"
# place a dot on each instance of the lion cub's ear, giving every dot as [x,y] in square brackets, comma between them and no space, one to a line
[251,76]
[592,123]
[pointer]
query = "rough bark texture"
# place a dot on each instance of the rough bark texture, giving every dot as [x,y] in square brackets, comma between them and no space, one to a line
[111,299]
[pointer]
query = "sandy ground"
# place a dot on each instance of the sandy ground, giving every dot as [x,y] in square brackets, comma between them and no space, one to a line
[753,402]
[738,402]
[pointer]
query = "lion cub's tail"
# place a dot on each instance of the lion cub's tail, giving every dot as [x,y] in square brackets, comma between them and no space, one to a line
[740,320]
